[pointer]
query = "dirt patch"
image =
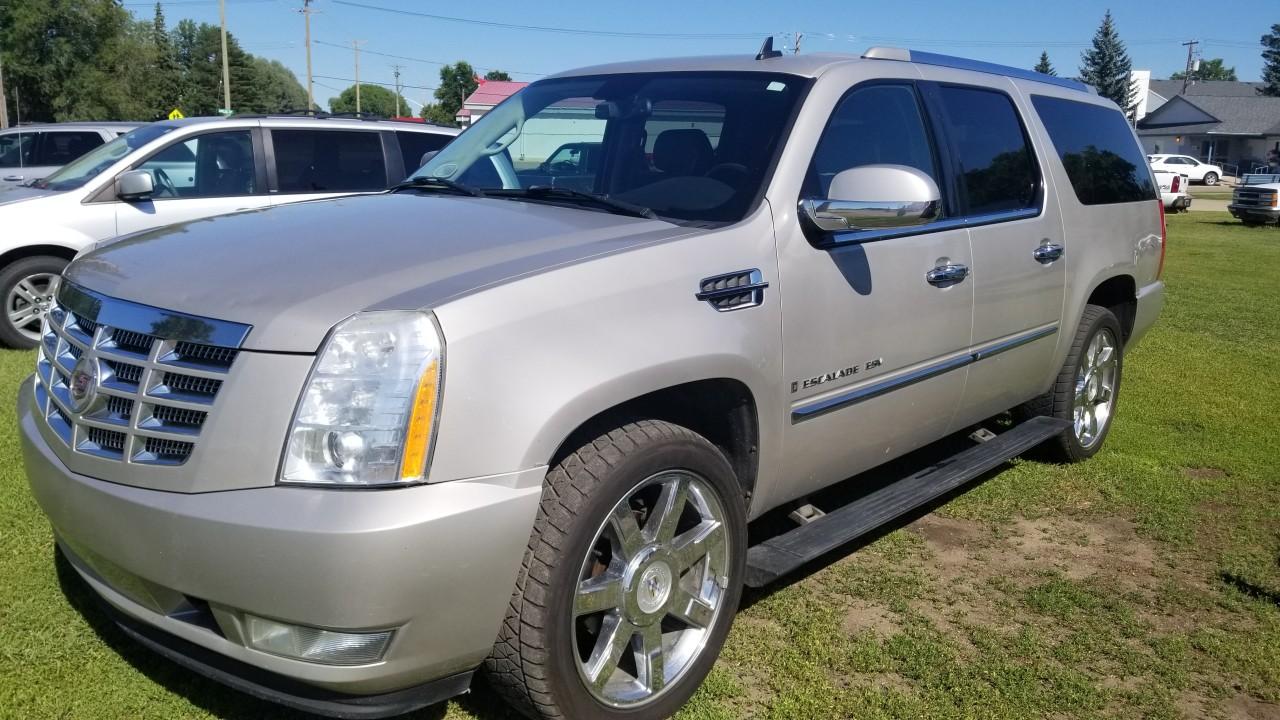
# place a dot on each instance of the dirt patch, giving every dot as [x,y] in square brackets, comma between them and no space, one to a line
[863,617]
[1204,473]
[1240,707]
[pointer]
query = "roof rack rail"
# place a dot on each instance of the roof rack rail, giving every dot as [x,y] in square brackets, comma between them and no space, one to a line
[959,63]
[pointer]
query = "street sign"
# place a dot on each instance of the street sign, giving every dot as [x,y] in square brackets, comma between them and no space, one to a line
[176,114]
[226,112]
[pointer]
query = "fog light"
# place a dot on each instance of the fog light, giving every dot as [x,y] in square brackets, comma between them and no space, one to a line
[315,645]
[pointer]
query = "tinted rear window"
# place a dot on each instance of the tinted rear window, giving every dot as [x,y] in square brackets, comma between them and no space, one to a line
[994,161]
[316,161]
[1098,150]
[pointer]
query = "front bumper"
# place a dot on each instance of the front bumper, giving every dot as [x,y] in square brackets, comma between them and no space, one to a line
[436,562]
[1245,212]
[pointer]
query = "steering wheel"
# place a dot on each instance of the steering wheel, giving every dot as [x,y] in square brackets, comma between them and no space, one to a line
[164,183]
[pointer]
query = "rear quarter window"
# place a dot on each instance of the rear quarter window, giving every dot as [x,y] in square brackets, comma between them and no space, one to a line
[1103,160]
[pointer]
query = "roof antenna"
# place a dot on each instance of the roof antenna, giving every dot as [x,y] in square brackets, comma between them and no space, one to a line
[767,51]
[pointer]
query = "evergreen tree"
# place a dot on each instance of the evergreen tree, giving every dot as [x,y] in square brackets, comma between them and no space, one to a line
[1044,67]
[497,75]
[1106,66]
[1270,62]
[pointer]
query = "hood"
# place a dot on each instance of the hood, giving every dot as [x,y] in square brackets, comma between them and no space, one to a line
[13,192]
[293,272]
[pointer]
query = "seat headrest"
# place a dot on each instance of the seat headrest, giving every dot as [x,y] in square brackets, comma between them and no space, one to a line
[685,151]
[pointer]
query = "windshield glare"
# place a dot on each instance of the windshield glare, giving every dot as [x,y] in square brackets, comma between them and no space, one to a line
[693,147]
[91,164]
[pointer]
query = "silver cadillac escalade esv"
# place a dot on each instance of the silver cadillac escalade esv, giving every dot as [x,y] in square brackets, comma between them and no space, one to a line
[516,417]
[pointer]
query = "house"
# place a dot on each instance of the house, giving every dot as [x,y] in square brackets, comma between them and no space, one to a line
[1225,123]
[485,98]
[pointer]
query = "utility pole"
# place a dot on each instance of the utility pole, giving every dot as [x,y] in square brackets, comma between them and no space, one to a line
[796,50]
[355,45]
[4,105]
[396,68]
[1190,45]
[306,14]
[226,68]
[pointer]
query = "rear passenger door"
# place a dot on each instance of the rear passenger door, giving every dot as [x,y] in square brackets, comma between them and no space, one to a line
[310,164]
[413,145]
[1017,240]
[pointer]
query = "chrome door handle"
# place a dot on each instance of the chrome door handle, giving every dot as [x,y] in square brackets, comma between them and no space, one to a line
[947,275]
[1047,253]
[13,178]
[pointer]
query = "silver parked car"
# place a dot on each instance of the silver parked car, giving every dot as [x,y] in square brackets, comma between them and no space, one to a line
[343,454]
[182,170]
[30,152]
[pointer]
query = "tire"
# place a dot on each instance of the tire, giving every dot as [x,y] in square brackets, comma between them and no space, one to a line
[1211,178]
[544,654]
[1062,400]
[29,277]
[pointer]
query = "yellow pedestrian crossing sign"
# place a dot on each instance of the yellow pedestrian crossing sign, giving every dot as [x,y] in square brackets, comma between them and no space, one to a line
[176,114]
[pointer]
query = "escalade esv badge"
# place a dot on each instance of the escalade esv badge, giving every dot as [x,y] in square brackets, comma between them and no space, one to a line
[83,384]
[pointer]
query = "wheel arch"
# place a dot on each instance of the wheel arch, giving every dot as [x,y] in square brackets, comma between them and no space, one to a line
[25,251]
[721,409]
[1119,294]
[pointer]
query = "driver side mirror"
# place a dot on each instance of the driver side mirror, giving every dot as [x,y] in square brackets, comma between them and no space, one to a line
[875,197]
[426,158]
[135,185]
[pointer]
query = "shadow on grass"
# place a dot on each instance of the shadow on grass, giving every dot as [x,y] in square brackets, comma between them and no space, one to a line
[211,696]
[1247,588]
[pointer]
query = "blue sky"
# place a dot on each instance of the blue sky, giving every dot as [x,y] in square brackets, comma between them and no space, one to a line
[1005,31]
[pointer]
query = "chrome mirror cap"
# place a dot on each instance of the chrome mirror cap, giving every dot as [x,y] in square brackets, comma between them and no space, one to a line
[135,185]
[858,200]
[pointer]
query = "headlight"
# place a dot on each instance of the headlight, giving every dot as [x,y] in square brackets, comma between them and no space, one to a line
[368,413]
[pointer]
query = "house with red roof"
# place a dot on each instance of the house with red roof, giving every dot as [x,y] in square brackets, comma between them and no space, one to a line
[485,98]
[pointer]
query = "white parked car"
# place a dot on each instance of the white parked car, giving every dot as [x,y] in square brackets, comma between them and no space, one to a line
[178,171]
[1187,165]
[30,152]
[1173,190]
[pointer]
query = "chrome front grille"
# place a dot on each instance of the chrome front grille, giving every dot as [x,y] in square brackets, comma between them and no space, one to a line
[122,393]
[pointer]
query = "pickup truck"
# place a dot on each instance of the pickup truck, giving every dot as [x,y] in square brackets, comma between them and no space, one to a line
[1173,190]
[1256,201]
[344,454]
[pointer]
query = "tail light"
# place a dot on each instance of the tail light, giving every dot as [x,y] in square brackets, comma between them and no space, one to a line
[1164,238]
[1177,183]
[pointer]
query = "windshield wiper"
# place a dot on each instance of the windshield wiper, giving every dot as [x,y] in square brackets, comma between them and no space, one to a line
[428,182]
[570,195]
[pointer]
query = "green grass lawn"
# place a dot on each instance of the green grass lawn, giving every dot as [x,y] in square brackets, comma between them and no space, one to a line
[1141,584]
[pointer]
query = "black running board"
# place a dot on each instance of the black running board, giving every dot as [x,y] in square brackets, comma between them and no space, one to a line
[780,555]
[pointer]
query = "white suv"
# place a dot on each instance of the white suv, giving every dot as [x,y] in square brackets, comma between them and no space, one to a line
[183,170]
[1187,165]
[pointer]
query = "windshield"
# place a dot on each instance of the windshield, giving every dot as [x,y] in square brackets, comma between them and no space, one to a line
[90,165]
[692,147]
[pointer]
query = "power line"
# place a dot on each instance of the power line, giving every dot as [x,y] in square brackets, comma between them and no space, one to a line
[370,82]
[423,60]
[545,28]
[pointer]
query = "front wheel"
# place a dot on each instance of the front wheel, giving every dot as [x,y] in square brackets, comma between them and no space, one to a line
[27,286]
[631,579]
[1211,178]
[1087,387]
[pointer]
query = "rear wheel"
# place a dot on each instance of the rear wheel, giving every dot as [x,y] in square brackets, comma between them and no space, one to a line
[631,579]
[27,286]
[1087,387]
[1211,178]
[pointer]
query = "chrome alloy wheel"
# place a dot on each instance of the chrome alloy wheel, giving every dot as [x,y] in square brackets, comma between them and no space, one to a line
[29,300]
[650,589]
[1096,387]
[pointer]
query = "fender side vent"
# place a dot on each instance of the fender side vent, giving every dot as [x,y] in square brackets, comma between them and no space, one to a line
[733,291]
